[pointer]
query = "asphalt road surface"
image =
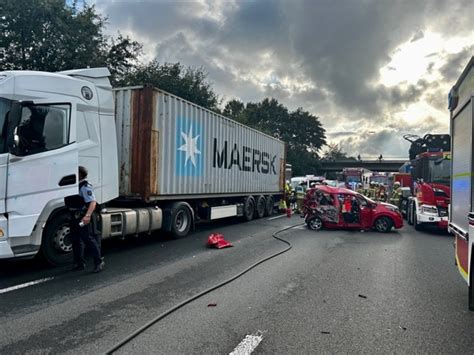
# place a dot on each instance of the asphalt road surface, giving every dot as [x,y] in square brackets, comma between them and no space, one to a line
[333,292]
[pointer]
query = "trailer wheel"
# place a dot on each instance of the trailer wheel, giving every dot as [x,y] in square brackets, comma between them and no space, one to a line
[249,208]
[471,287]
[383,224]
[260,207]
[269,206]
[181,221]
[56,244]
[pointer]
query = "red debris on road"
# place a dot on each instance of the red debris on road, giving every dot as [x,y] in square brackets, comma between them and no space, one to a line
[216,240]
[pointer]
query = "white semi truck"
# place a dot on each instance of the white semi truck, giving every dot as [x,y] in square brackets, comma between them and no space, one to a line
[461,214]
[157,162]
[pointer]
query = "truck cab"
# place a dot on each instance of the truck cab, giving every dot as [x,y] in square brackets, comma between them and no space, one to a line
[429,166]
[50,123]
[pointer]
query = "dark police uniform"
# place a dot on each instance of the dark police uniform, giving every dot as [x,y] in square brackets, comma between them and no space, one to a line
[87,235]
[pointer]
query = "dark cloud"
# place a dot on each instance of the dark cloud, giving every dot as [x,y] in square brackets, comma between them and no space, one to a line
[322,55]
[418,35]
[455,64]
[340,134]
[398,96]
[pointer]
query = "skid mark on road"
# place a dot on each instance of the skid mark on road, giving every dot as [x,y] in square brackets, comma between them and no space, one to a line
[27,284]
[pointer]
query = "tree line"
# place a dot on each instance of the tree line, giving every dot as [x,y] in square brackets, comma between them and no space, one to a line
[56,35]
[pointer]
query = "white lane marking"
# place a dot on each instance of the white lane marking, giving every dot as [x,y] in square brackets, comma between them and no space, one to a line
[272,218]
[248,345]
[27,284]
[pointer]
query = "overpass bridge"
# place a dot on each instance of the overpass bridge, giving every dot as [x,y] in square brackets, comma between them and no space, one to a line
[374,165]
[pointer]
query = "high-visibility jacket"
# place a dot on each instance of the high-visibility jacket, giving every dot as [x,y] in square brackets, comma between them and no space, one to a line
[396,196]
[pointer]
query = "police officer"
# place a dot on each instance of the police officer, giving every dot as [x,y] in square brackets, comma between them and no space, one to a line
[83,226]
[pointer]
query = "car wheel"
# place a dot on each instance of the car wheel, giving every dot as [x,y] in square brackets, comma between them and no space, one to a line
[314,223]
[383,224]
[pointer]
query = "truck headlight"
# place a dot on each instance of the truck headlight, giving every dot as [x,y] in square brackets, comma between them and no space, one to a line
[429,209]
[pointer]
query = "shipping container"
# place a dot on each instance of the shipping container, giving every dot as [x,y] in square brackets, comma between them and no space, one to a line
[170,148]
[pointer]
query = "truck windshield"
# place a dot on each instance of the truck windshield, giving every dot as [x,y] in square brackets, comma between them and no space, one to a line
[5,106]
[379,179]
[353,178]
[440,171]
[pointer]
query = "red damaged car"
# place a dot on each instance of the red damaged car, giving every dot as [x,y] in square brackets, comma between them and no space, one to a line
[336,208]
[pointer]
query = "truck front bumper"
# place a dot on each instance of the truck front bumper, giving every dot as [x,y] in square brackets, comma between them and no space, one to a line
[440,222]
[6,251]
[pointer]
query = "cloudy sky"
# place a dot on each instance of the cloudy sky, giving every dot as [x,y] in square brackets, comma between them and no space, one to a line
[371,70]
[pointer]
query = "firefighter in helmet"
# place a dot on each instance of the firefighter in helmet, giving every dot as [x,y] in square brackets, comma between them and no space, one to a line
[377,192]
[396,195]
[382,193]
[300,191]
[371,190]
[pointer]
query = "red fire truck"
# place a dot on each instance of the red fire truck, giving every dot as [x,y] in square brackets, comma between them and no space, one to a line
[430,171]
[353,176]
[461,215]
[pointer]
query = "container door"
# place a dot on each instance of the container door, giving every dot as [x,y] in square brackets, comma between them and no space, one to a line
[42,164]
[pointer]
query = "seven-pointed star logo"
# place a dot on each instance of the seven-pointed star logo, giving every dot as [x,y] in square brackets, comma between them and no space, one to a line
[190,146]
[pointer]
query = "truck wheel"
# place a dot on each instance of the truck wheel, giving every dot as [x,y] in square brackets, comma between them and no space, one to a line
[260,207]
[269,206]
[383,224]
[418,226]
[410,214]
[181,221]
[314,223]
[471,287]
[249,208]
[56,244]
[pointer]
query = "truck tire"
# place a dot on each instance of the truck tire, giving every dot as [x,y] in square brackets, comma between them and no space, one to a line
[418,226]
[249,208]
[56,244]
[383,224]
[410,214]
[260,206]
[181,220]
[269,206]
[471,287]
